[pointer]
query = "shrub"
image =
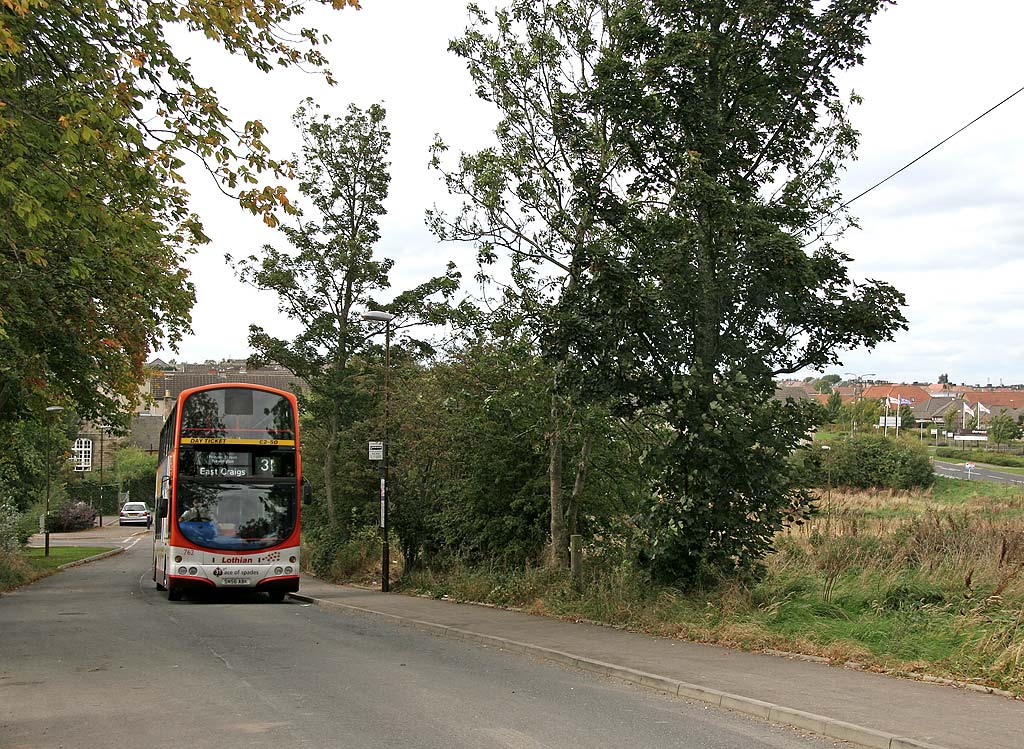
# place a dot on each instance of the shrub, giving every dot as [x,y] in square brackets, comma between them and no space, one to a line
[9,519]
[28,524]
[869,460]
[981,456]
[74,516]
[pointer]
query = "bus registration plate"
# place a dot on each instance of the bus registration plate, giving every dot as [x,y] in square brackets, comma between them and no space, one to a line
[236,581]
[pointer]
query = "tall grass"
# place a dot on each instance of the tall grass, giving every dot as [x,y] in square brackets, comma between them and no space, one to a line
[923,581]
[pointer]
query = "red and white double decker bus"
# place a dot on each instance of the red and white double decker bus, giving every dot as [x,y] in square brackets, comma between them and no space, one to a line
[229,484]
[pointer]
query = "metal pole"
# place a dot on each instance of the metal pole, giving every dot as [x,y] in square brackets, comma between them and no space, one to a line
[46,513]
[101,477]
[50,410]
[385,573]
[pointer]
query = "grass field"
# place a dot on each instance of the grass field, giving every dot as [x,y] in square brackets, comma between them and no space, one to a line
[22,567]
[917,582]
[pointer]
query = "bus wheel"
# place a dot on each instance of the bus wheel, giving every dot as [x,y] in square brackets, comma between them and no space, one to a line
[173,592]
[276,596]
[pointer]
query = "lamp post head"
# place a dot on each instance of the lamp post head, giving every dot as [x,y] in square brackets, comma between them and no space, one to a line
[378,316]
[54,409]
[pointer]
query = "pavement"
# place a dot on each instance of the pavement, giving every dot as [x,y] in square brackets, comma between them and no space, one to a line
[863,708]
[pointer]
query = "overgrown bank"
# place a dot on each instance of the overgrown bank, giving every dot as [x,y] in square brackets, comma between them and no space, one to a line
[925,582]
[20,567]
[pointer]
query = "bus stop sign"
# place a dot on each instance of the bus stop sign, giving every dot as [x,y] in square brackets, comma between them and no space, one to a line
[376,451]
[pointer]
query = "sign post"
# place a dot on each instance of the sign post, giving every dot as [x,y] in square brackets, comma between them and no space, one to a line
[969,467]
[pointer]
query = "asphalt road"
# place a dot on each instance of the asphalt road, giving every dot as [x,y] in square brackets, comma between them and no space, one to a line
[957,471]
[110,536]
[95,657]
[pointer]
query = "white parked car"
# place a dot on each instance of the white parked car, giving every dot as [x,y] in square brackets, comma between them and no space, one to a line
[135,513]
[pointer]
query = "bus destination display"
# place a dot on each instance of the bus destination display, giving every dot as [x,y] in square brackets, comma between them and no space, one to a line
[235,465]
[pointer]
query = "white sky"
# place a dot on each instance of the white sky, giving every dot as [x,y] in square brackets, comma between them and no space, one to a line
[949,232]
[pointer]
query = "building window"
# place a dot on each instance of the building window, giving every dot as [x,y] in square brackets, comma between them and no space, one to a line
[81,454]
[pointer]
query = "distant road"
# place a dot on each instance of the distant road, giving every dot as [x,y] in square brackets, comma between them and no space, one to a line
[957,471]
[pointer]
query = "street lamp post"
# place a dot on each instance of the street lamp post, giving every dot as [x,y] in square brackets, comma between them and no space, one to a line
[103,430]
[46,513]
[857,390]
[385,564]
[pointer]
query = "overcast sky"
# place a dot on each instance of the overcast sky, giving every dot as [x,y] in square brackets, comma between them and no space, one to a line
[949,232]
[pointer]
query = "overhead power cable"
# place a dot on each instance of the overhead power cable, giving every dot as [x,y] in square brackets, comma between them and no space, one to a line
[940,143]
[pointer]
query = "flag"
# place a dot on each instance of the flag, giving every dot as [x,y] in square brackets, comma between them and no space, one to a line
[906,402]
[892,401]
[982,409]
[969,410]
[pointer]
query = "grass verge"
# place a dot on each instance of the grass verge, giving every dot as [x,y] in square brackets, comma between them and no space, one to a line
[920,582]
[22,567]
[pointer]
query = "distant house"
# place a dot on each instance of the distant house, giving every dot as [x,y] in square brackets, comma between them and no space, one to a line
[996,399]
[913,393]
[95,445]
[933,410]
[163,388]
[786,392]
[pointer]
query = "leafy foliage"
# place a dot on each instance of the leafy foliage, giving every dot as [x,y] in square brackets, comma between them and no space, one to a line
[73,516]
[722,276]
[981,456]
[871,461]
[471,459]
[521,197]
[97,114]
[1003,429]
[331,272]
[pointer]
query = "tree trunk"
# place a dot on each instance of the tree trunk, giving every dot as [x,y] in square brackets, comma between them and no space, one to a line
[577,487]
[332,443]
[559,536]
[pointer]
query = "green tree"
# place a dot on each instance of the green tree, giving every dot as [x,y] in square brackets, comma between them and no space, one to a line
[834,406]
[535,63]
[97,113]
[331,271]
[734,134]
[826,383]
[862,415]
[1003,429]
[471,469]
[951,418]
[907,418]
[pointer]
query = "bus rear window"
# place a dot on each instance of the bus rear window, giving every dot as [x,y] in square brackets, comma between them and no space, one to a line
[237,414]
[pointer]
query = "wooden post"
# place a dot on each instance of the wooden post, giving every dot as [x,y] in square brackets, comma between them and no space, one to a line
[575,559]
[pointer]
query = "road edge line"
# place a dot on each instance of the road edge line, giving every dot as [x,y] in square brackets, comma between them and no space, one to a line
[818,724]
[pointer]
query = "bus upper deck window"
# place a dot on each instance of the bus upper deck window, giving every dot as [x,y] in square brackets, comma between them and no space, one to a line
[238,402]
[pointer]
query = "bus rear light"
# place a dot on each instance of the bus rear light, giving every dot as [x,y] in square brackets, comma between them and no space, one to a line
[278,570]
[293,560]
[183,570]
[193,571]
[177,560]
[288,570]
